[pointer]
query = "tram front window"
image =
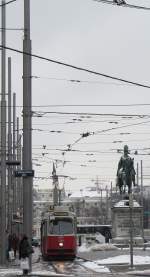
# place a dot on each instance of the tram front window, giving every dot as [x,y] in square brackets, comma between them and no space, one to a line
[61,226]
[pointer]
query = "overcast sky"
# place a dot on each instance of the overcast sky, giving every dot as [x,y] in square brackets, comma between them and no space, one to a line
[105,38]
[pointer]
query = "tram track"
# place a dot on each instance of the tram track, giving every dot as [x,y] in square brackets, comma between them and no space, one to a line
[75,268]
[78,267]
[69,267]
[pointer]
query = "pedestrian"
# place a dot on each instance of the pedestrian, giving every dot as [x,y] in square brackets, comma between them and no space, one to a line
[14,243]
[25,250]
[7,244]
[10,250]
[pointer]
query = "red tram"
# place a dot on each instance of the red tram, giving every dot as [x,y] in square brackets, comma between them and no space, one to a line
[58,234]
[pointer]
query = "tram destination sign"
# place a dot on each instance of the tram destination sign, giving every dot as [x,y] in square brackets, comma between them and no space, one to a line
[24,173]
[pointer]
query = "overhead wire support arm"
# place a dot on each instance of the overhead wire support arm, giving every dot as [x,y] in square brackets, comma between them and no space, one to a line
[12,29]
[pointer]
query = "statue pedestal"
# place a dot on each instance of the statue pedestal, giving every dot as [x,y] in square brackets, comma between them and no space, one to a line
[121,223]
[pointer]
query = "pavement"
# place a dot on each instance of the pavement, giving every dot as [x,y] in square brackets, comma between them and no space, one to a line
[117,269]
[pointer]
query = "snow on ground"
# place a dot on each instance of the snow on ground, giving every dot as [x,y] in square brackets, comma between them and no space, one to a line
[125,259]
[96,247]
[104,246]
[48,273]
[15,272]
[7,271]
[139,273]
[83,248]
[95,267]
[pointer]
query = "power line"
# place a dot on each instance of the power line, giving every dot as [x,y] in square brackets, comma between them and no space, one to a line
[9,2]
[94,105]
[77,67]
[120,127]
[77,81]
[99,114]
[84,105]
[122,4]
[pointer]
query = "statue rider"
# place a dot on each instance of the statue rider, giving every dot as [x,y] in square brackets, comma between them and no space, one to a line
[126,166]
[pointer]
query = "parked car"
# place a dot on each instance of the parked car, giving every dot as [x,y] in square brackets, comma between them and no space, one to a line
[35,242]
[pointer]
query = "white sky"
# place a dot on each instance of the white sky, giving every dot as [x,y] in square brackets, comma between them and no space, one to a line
[105,38]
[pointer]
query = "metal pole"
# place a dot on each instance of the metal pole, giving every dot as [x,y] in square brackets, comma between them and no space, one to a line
[18,179]
[137,181]
[3,142]
[137,174]
[101,206]
[14,150]
[107,208]
[18,182]
[111,193]
[131,229]
[10,196]
[27,126]
[142,203]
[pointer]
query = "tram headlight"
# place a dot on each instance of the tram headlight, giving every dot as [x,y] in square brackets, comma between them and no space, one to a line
[61,244]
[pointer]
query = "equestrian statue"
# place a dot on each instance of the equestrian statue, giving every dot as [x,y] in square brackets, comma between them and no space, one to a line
[125,172]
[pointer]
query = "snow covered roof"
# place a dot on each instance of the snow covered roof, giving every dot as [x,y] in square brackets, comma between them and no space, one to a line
[125,203]
[87,193]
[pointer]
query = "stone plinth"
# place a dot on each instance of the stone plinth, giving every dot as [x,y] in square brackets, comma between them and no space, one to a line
[121,223]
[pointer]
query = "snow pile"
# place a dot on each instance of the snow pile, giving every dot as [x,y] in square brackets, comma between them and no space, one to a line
[100,238]
[125,203]
[36,255]
[95,267]
[96,247]
[84,248]
[10,271]
[125,259]
[104,246]
[46,273]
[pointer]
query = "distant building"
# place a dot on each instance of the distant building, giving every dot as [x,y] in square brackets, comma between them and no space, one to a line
[41,203]
[91,206]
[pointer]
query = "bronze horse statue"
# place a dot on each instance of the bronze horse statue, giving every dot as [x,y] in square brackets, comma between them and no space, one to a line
[125,180]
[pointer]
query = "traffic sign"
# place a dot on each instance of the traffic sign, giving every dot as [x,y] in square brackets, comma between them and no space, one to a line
[12,163]
[24,173]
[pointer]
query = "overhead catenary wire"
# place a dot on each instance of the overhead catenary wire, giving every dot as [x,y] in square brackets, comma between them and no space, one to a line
[96,114]
[78,81]
[85,105]
[9,2]
[123,4]
[76,67]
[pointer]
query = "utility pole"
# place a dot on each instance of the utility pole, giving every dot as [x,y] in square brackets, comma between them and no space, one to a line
[142,203]
[3,140]
[18,185]
[131,228]
[27,126]
[101,204]
[18,182]
[107,207]
[111,193]
[14,150]
[10,196]
[137,174]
